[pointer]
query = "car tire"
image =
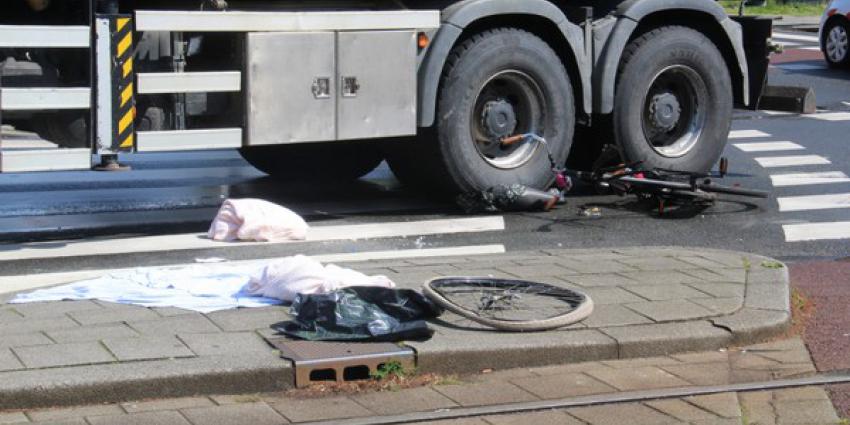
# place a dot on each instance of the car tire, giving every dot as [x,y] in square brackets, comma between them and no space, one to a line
[835,43]
[673,101]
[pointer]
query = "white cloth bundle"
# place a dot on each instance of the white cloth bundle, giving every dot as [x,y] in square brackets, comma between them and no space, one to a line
[256,220]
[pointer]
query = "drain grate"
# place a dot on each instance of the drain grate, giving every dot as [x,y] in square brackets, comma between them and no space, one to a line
[339,361]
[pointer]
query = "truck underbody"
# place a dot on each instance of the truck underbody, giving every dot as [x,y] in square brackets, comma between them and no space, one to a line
[331,88]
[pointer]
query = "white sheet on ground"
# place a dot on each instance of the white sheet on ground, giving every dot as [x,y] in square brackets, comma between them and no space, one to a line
[211,287]
[256,220]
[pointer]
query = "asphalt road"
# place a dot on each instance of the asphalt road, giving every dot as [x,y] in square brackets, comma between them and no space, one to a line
[179,193]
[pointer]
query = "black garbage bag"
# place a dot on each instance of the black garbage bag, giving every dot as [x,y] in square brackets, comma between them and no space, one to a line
[361,313]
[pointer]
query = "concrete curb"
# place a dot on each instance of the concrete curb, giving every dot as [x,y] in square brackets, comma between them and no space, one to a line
[764,313]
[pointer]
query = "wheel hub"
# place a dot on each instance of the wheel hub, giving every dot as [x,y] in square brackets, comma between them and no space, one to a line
[499,119]
[664,111]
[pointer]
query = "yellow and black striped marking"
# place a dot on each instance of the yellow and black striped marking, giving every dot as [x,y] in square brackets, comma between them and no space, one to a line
[123,101]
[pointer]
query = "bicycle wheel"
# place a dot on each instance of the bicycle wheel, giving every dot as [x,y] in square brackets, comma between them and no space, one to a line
[511,305]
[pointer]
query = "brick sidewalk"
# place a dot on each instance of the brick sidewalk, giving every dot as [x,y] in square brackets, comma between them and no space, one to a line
[650,301]
[787,358]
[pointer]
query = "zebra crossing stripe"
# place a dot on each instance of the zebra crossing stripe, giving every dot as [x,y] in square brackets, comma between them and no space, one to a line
[791,161]
[802,179]
[814,202]
[831,116]
[769,146]
[746,134]
[816,231]
[798,37]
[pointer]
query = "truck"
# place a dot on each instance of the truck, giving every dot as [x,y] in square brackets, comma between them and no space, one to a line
[328,89]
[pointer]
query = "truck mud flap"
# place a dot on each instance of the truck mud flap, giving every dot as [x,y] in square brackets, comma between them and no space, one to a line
[757,30]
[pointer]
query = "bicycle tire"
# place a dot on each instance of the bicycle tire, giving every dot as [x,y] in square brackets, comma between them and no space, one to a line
[729,190]
[580,305]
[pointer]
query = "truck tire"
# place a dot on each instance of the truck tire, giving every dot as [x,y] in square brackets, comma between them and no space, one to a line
[673,101]
[68,129]
[497,83]
[315,162]
[835,43]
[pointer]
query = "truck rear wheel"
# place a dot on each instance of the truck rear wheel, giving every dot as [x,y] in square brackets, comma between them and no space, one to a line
[673,102]
[312,162]
[496,84]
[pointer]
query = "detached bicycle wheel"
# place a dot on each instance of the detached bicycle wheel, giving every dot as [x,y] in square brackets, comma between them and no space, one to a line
[511,305]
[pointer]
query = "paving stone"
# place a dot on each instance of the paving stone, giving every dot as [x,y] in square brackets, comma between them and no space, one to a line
[702,262]
[23,340]
[614,315]
[225,343]
[681,410]
[43,310]
[461,421]
[618,414]
[760,274]
[666,292]
[37,325]
[723,404]
[768,297]
[720,289]
[8,361]
[173,311]
[237,399]
[596,266]
[236,414]
[731,275]
[167,404]
[795,352]
[706,275]
[666,277]
[726,258]
[485,393]
[806,412]
[74,412]
[750,324]
[667,311]
[319,409]
[800,394]
[147,348]
[566,369]
[73,421]
[146,418]
[748,360]
[9,315]
[13,418]
[654,251]
[92,333]
[714,356]
[563,385]
[249,319]
[702,374]
[63,354]
[551,417]
[412,400]
[603,279]
[720,305]
[113,315]
[666,338]
[641,362]
[535,271]
[175,325]
[657,263]
[641,378]
[604,295]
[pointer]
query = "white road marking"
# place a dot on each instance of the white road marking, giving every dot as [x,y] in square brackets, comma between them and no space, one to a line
[800,66]
[768,112]
[791,161]
[747,134]
[39,250]
[814,202]
[813,48]
[802,179]
[10,284]
[769,146]
[831,116]
[845,103]
[800,37]
[816,231]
